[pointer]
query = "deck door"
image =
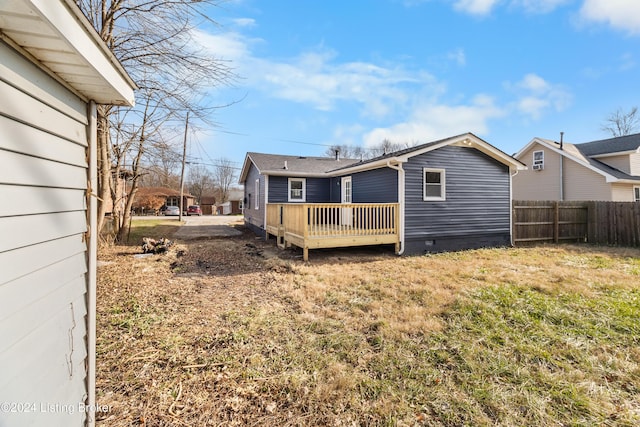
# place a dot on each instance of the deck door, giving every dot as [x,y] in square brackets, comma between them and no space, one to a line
[346,214]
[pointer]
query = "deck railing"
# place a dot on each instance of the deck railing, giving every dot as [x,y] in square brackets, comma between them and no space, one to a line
[305,224]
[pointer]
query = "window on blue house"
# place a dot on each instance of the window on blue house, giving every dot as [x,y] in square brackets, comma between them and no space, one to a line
[434,184]
[297,189]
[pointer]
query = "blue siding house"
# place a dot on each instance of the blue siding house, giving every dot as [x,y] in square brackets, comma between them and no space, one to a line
[449,194]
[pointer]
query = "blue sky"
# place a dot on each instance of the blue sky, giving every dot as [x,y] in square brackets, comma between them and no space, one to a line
[317,73]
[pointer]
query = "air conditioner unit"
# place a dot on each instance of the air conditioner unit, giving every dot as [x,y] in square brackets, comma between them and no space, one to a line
[538,167]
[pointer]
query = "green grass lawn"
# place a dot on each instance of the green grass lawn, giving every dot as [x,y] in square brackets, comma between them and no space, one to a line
[535,336]
[154,228]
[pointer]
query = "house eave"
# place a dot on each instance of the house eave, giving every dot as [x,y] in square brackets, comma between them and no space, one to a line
[75,54]
[615,154]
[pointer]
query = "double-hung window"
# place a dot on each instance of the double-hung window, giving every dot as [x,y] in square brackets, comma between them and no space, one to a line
[538,160]
[297,189]
[434,187]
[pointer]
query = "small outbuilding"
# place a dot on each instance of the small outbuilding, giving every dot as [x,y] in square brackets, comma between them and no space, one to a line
[54,70]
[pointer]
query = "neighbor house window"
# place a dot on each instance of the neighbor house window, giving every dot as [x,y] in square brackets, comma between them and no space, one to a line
[297,189]
[538,160]
[636,194]
[434,184]
[257,194]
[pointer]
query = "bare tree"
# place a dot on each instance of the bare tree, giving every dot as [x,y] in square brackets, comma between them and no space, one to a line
[620,123]
[350,152]
[347,151]
[154,40]
[199,181]
[224,175]
[387,146]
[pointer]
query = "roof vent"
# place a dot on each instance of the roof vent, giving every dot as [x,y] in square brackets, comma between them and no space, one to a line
[285,165]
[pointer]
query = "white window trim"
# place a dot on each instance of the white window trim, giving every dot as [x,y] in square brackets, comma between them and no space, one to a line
[539,162]
[304,190]
[443,184]
[636,189]
[257,195]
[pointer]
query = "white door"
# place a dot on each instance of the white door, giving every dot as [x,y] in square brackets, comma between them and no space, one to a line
[346,214]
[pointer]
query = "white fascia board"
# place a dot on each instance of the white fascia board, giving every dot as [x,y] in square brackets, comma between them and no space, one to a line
[491,151]
[618,153]
[382,163]
[245,169]
[471,141]
[72,27]
[528,146]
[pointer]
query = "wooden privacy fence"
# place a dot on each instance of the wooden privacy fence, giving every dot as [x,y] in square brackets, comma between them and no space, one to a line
[606,223]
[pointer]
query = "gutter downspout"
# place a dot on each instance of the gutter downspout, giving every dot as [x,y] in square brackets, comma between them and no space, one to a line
[92,255]
[401,201]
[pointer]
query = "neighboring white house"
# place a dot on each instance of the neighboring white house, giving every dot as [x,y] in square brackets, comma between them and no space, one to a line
[54,69]
[604,170]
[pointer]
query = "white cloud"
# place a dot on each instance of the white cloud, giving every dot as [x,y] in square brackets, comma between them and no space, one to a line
[620,14]
[485,7]
[540,6]
[475,7]
[434,121]
[315,78]
[228,46]
[536,96]
[245,22]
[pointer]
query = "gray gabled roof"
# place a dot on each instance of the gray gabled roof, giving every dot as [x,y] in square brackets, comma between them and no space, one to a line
[277,164]
[619,144]
[274,164]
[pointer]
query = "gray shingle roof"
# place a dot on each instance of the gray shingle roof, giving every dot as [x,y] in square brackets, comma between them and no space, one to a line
[297,164]
[611,145]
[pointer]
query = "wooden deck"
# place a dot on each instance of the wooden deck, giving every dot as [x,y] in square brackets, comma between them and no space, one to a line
[332,225]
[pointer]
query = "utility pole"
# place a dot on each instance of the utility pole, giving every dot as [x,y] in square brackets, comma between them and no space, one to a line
[184,157]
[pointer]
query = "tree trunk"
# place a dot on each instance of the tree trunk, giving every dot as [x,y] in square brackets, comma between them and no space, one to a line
[104,165]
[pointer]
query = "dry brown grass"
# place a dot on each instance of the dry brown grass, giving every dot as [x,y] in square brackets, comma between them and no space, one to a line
[233,332]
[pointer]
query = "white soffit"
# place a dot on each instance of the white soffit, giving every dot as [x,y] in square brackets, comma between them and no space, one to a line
[60,38]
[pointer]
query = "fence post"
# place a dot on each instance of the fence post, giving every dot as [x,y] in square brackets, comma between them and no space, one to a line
[556,221]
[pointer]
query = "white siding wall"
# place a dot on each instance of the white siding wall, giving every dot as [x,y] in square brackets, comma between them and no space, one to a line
[582,183]
[538,185]
[43,263]
[621,162]
[622,193]
[635,164]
